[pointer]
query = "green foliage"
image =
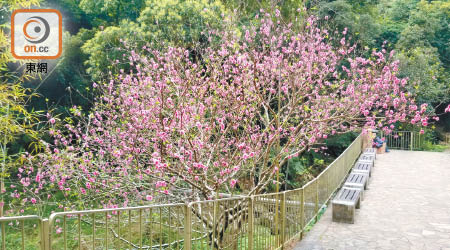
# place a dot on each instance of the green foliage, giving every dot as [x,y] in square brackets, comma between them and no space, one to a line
[400,10]
[74,17]
[430,146]
[428,78]
[14,117]
[295,167]
[107,46]
[71,72]
[161,23]
[425,53]
[15,122]
[246,10]
[432,141]
[336,144]
[111,11]
[181,22]
[424,24]
[428,25]
[359,20]
[300,170]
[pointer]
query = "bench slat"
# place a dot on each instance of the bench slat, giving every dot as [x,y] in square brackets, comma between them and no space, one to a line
[347,194]
[369,150]
[367,157]
[362,166]
[358,179]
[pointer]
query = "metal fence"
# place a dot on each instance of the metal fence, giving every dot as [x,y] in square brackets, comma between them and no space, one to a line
[404,140]
[265,221]
[447,139]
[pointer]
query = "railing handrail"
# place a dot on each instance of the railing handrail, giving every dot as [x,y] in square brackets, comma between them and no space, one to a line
[23,217]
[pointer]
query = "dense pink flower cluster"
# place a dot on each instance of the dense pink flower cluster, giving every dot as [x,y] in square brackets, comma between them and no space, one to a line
[190,127]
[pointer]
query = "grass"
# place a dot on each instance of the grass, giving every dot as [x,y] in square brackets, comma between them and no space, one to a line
[429,146]
[263,236]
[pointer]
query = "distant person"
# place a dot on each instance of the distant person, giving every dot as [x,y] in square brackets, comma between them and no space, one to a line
[378,142]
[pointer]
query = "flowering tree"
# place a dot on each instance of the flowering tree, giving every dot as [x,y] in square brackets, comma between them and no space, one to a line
[190,128]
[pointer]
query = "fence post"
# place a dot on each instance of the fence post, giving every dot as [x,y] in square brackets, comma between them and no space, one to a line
[250,222]
[317,198]
[328,182]
[283,219]
[216,210]
[45,243]
[412,140]
[302,212]
[187,227]
[421,144]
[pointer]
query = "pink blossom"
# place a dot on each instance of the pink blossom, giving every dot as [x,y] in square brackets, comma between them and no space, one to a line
[447,109]
[277,12]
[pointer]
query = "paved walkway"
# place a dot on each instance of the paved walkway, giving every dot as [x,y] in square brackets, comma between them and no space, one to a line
[406,207]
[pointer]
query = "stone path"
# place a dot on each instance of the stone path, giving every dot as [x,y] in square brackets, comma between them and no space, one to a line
[406,207]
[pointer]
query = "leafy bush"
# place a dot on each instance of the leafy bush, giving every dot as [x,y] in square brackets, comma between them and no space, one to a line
[181,22]
[107,46]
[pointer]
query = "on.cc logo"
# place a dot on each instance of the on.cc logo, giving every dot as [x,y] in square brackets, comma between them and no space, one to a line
[36,34]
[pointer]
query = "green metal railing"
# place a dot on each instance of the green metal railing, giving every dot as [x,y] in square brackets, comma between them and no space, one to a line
[404,140]
[265,221]
[22,228]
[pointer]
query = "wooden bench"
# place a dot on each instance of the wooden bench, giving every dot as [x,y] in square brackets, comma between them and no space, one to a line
[344,204]
[371,151]
[363,167]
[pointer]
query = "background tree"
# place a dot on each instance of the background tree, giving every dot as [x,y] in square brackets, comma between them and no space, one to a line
[181,22]
[428,78]
[111,11]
